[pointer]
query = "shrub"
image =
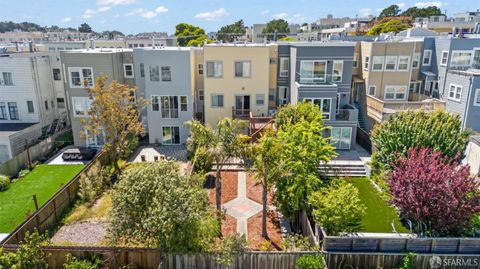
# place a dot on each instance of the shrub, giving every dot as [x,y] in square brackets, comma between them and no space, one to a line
[231,247]
[4,182]
[75,263]
[407,261]
[94,182]
[8,259]
[337,207]
[30,253]
[130,145]
[298,242]
[203,161]
[23,173]
[311,262]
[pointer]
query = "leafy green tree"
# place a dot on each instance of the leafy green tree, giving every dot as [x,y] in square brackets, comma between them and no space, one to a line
[438,130]
[309,261]
[231,32]
[415,12]
[224,142]
[304,148]
[30,253]
[268,167]
[390,11]
[154,206]
[278,26]
[190,35]
[337,207]
[85,28]
[293,114]
[231,247]
[76,263]
[393,25]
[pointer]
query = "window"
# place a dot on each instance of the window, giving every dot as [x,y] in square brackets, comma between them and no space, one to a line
[260,99]
[341,137]
[183,103]
[142,70]
[200,95]
[214,69]
[390,63]
[3,111]
[427,57]
[169,106]
[367,60]
[444,60]
[13,110]
[372,89]
[200,69]
[154,73]
[93,140]
[52,104]
[395,92]
[166,73]
[155,104]
[284,65]
[81,106]
[46,105]
[30,107]
[337,71]
[56,74]
[323,103]
[455,92]
[80,77]
[128,70]
[60,103]
[403,63]
[377,62]
[171,135]
[355,61]
[476,101]
[242,69]
[217,100]
[313,71]
[461,58]
[416,61]
[7,79]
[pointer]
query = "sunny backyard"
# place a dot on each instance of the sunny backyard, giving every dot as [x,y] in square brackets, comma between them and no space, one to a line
[45,180]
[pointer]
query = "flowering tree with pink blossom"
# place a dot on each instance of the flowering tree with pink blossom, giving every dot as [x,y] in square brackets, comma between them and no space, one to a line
[434,192]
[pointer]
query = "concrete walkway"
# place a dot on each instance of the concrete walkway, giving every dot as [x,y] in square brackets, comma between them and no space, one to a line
[241,207]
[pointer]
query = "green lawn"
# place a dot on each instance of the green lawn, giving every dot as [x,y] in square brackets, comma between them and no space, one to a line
[379,214]
[44,181]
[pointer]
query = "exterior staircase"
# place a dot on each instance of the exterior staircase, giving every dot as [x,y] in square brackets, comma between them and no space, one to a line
[361,121]
[339,168]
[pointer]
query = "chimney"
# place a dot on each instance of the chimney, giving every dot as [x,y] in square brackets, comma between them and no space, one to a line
[30,46]
[454,32]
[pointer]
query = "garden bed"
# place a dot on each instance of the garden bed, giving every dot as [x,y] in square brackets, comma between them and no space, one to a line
[255,189]
[44,181]
[255,239]
[229,186]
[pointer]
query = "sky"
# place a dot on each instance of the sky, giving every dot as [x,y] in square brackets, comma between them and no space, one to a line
[134,16]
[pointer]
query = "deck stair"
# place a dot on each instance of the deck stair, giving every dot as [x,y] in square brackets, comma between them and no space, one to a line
[344,168]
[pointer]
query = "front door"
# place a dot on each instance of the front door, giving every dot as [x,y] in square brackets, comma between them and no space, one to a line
[341,137]
[282,95]
[242,105]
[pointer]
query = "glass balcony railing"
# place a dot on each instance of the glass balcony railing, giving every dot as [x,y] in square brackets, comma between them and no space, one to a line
[317,79]
[347,114]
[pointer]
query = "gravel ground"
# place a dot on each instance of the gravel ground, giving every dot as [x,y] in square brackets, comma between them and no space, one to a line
[81,233]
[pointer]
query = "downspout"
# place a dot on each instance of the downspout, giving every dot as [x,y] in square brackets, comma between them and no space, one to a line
[40,104]
[411,70]
[468,103]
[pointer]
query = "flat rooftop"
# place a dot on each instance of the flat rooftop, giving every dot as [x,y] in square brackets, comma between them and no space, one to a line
[98,50]
[7,129]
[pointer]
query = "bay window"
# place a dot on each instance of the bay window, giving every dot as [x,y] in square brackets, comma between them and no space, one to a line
[81,77]
[395,92]
[325,105]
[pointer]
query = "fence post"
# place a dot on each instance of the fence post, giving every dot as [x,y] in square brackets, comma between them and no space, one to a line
[55,209]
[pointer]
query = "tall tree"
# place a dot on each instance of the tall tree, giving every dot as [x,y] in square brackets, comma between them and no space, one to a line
[231,32]
[388,25]
[415,12]
[154,206]
[114,113]
[390,11]
[276,29]
[268,167]
[304,148]
[190,35]
[85,28]
[222,143]
[403,131]
[433,191]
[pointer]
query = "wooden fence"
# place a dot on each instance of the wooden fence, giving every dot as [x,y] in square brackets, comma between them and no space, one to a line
[48,215]
[363,139]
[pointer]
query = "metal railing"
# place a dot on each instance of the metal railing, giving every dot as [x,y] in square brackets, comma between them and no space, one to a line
[347,114]
[317,79]
[380,107]
[170,113]
[240,113]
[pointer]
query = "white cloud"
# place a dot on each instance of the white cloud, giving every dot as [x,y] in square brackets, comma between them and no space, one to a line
[213,15]
[365,12]
[295,18]
[103,9]
[66,19]
[265,12]
[401,5]
[90,12]
[115,2]
[148,14]
[282,15]
[429,4]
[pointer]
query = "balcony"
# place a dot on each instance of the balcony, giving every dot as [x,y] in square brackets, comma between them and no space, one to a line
[380,110]
[241,114]
[170,113]
[347,113]
[317,79]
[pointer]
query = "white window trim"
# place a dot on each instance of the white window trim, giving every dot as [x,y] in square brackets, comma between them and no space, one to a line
[349,144]
[151,102]
[475,97]
[206,69]
[86,108]
[80,69]
[385,64]
[429,59]
[125,71]
[341,71]
[321,108]
[2,82]
[408,63]
[256,99]
[33,106]
[441,58]
[417,57]
[211,96]
[249,67]
[455,93]
[395,93]
[374,91]
[313,79]
[160,105]
[366,64]
[462,51]
[373,63]
[179,134]
[284,73]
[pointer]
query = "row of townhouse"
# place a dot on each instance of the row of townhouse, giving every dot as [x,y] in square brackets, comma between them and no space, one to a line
[32,99]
